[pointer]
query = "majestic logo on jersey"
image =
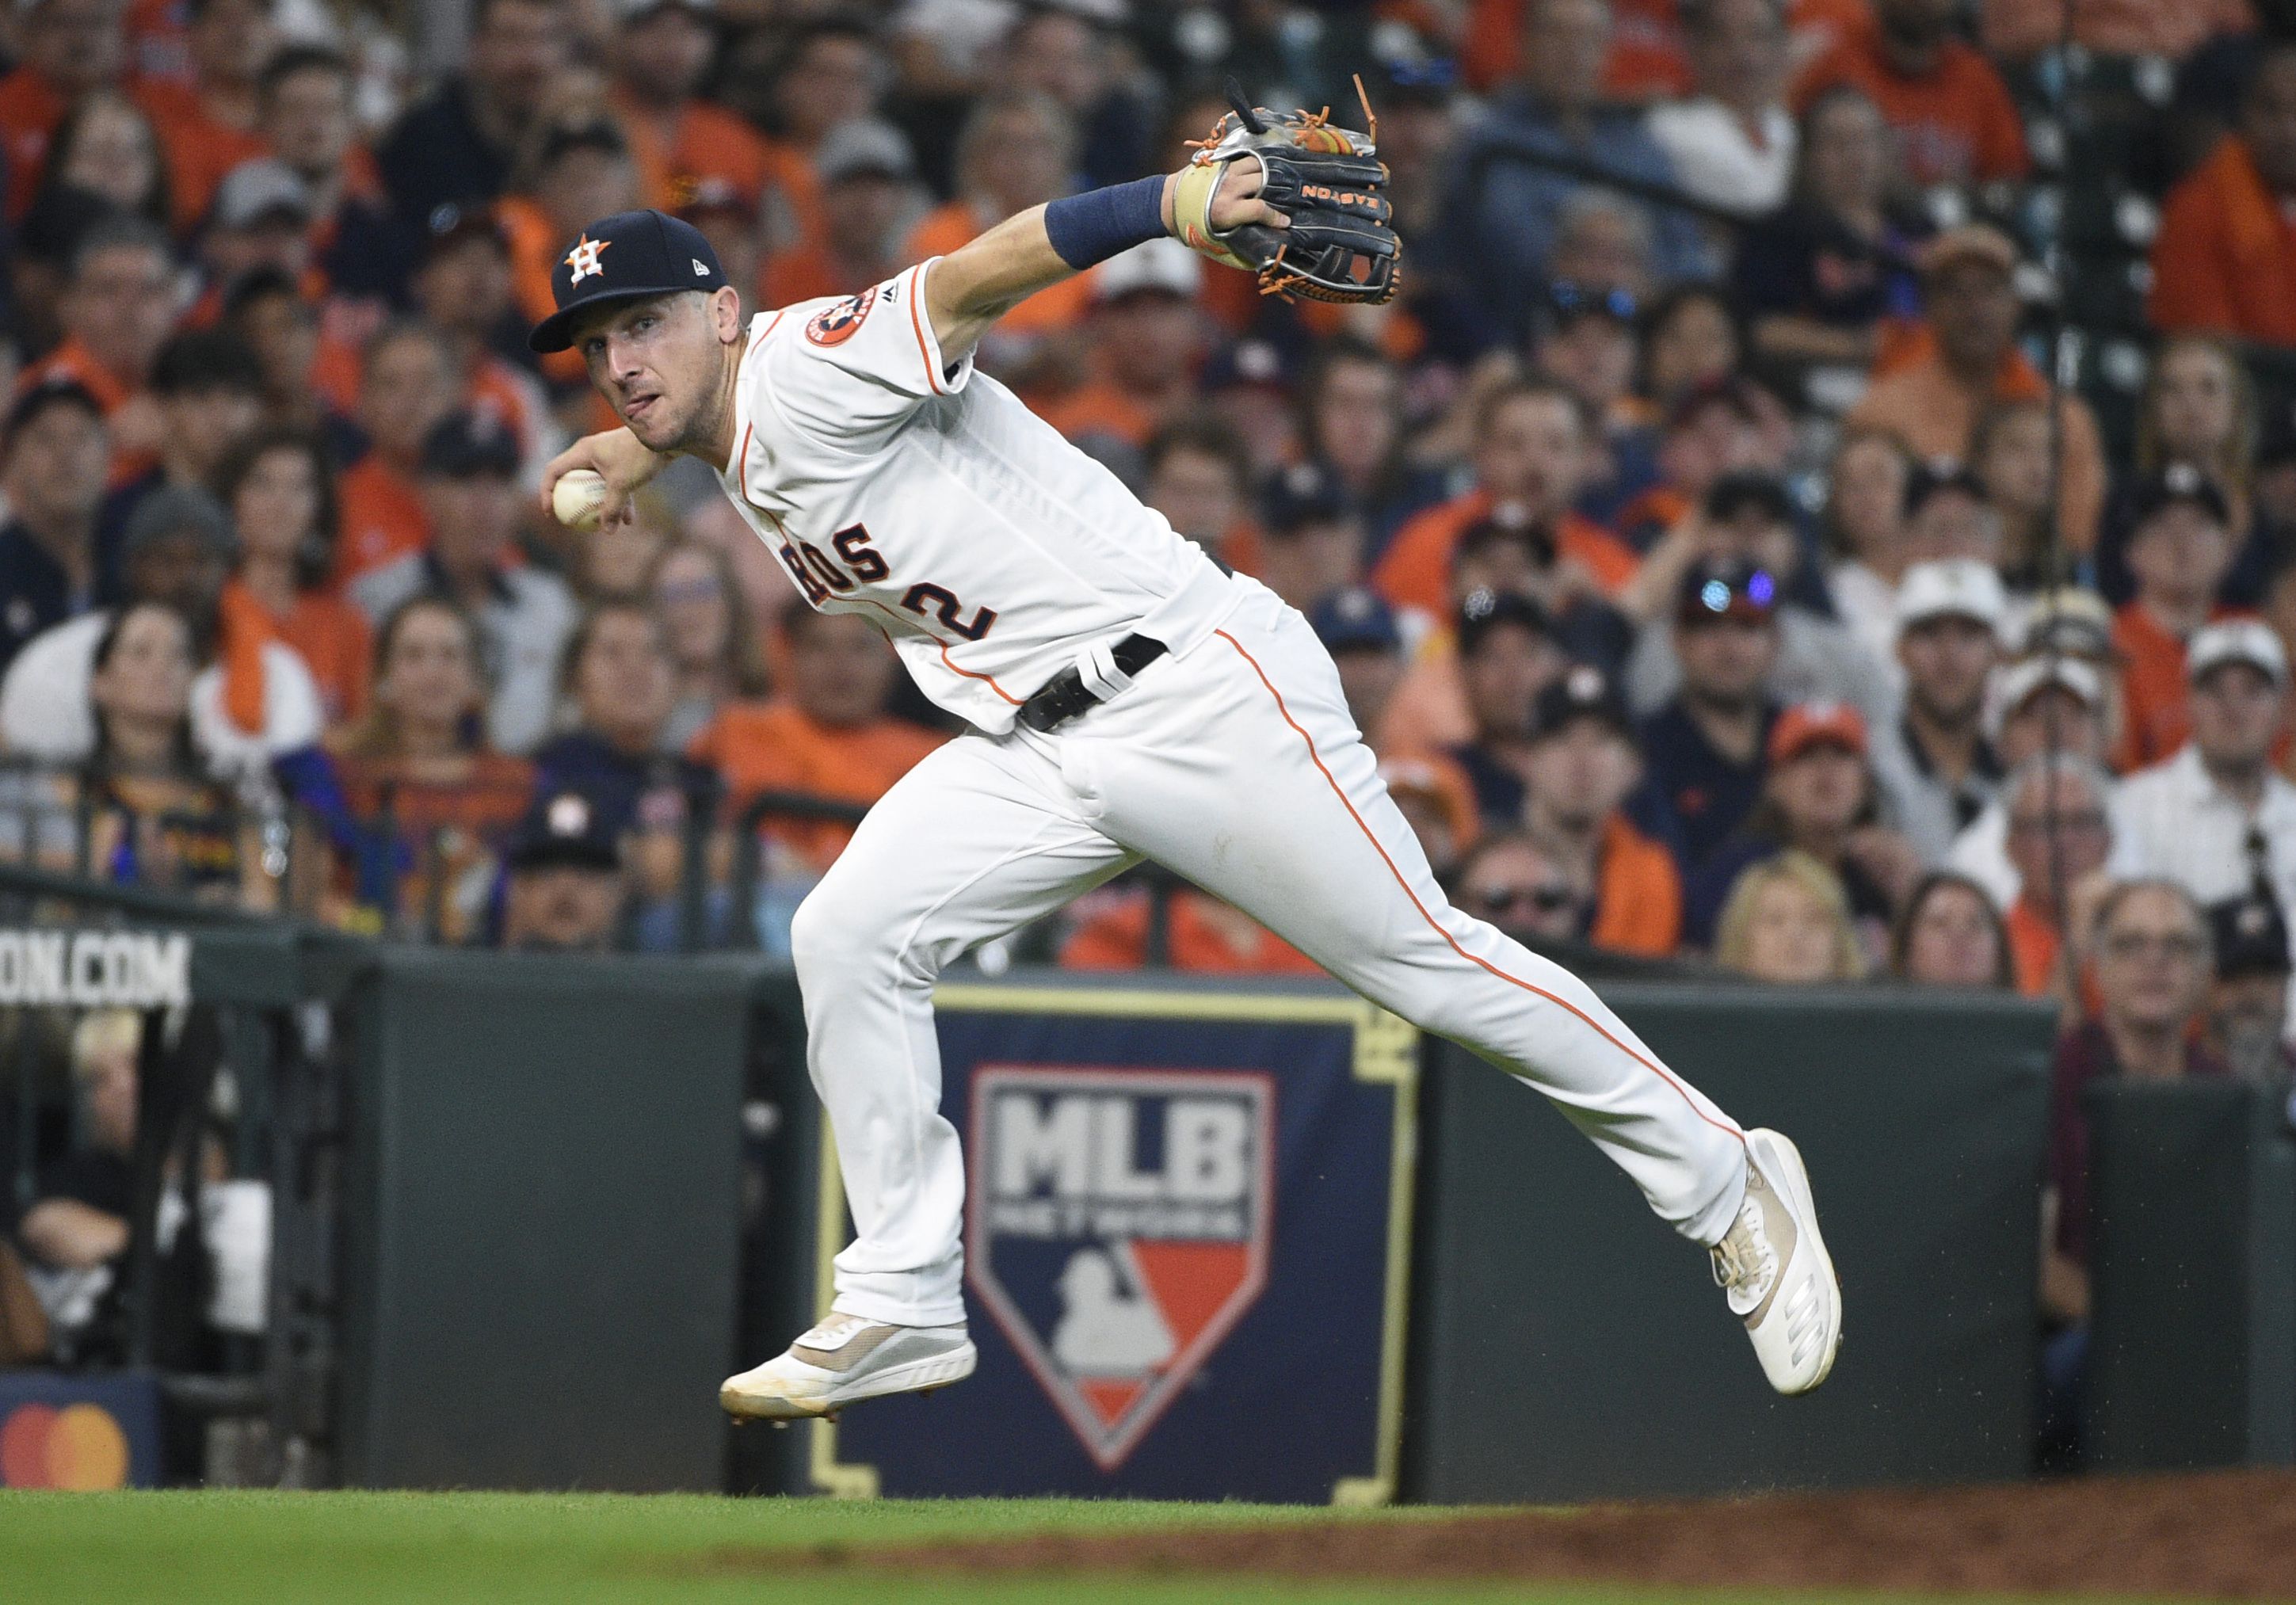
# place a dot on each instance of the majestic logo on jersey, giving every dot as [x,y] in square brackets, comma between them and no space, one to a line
[833,325]
[584,260]
[1120,1229]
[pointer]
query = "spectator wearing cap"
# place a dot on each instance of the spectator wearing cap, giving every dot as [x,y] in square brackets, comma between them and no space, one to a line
[1360,630]
[868,181]
[662,53]
[407,387]
[1510,215]
[305,109]
[2248,1000]
[1820,279]
[1351,422]
[63,50]
[2152,963]
[1249,388]
[1588,339]
[1147,335]
[463,289]
[2221,262]
[1819,798]
[262,217]
[53,472]
[1508,655]
[2200,407]
[1749,518]
[2179,551]
[459,143]
[617,677]
[419,803]
[1017,149]
[469,483]
[1312,538]
[117,307]
[209,389]
[1706,749]
[251,699]
[1938,771]
[564,884]
[2217,818]
[279,489]
[1953,121]
[1530,454]
[1732,143]
[827,734]
[1198,474]
[208,125]
[582,172]
[2043,704]
[1968,363]
[1581,766]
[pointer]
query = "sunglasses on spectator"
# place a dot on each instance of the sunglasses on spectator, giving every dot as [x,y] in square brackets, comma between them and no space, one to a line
[701,589]
[1550,897]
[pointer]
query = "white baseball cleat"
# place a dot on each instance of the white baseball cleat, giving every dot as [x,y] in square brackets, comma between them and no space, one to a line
[844,1359]
[1775,1267]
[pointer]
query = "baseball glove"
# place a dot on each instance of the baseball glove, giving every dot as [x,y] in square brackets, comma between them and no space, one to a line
[1326,180]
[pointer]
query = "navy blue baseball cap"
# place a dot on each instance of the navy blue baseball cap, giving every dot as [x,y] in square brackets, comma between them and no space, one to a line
[625,257]
[1355,619]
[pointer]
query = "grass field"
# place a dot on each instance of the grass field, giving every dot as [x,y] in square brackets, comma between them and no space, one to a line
[384,1548]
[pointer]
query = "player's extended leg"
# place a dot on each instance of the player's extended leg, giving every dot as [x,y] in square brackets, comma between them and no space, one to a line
[1243,772]
[981,837]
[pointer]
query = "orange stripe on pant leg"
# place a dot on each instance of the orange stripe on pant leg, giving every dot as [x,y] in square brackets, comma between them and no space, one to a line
[1341,792]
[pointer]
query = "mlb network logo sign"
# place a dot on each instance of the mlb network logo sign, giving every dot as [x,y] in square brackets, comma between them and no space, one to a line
[1120,1229]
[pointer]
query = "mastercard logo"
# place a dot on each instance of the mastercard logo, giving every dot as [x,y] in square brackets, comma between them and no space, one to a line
[79,1448]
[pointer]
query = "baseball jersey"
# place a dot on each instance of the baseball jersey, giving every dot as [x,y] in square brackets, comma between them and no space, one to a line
[897,484]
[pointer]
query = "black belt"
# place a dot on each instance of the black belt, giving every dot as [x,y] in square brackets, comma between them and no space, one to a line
[1066,695]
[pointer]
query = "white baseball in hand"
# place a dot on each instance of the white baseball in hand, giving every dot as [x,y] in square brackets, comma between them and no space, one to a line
[578,498]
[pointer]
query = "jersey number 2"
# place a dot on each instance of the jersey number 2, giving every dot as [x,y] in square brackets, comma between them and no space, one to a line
[820,577]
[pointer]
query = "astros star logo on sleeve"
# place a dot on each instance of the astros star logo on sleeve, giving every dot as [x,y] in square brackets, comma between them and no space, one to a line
[583,258]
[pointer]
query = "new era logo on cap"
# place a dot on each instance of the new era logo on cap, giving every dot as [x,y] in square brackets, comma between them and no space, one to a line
[700,268]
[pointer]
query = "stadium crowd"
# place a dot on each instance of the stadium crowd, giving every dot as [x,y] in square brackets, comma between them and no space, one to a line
[1700,538]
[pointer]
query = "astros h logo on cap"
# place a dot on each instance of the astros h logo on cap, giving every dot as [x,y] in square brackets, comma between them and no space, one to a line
[583,258]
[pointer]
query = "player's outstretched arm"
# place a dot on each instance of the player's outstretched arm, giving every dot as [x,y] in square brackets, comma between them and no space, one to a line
[618,457]
[979,281]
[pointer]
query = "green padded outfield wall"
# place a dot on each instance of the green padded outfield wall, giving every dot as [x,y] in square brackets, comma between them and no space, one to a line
[1567,1345]
[543,1205]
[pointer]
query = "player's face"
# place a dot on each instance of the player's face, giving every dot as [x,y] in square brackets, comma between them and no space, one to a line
[658,362]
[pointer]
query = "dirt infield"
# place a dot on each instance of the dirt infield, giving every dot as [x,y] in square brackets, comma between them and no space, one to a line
[2220,1536]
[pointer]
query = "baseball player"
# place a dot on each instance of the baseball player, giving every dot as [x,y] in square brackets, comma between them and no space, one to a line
[1130,698]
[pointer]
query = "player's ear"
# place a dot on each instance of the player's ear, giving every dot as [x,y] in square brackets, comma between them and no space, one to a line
[724,308]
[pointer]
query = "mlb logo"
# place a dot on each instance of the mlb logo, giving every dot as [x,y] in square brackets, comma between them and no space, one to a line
[1120,1228]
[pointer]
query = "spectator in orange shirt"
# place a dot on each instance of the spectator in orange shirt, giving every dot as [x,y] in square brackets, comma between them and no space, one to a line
[661,56]
[828,735]
[2060,818]
[1510,880]
[1203,936]
[64,48]
[2179,551]
[409,386]
[1581,764]
[1530,451]
[1147,337]
[582,173]
[1196,474]
[464,289]
[207,126]
[1947,384]
[280,491]
[208,389]
[117,307]
[2225,260]
[1015,151]
[306,111]
[868,178]
[1954,121]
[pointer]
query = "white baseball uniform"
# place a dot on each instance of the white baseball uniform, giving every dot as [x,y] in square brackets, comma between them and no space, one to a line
[896,483]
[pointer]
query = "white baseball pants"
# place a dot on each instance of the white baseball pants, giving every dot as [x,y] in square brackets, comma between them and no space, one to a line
[1237,765]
